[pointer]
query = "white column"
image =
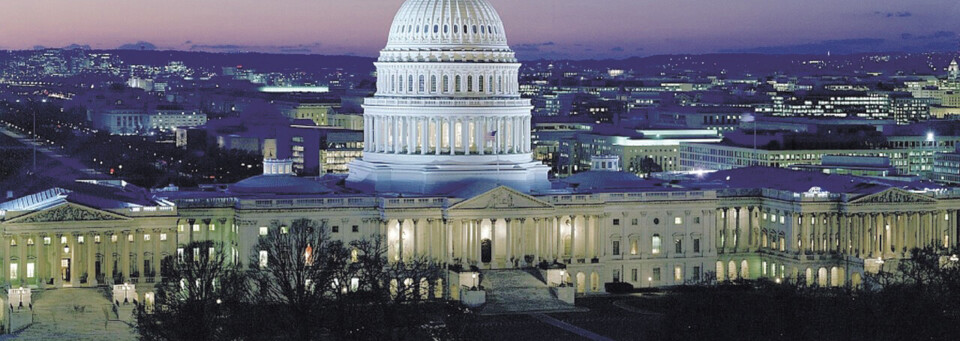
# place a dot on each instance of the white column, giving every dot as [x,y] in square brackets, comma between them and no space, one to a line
[452,125]
[424,135]
[465,139]
[526,133]
[438,142]
[482,135]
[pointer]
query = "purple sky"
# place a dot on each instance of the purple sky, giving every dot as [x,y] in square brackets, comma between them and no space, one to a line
[536,28]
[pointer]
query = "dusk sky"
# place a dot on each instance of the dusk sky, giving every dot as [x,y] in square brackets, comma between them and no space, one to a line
[536,28]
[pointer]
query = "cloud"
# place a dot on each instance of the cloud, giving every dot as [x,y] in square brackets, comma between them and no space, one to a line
[140,45]
[283,49]
[532,47]
[77,47]
[843,46]
[903,14]
[932,36]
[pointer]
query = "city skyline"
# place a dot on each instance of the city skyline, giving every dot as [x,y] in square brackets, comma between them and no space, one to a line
[567,29]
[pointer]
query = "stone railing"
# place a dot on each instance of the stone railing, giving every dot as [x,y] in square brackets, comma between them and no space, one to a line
[629,197]
[413,202]
[479,102]
[308,203]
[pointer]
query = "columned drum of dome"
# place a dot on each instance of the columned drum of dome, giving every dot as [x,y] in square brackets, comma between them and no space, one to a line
[447,111]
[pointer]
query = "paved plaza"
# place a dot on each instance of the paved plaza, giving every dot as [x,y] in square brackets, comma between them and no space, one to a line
[73,314]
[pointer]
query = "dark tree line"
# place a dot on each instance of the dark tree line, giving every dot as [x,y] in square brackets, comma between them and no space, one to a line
[916,301]
[298,285]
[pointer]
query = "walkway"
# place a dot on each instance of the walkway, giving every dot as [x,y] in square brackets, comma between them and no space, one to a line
[73,314]
[570,328]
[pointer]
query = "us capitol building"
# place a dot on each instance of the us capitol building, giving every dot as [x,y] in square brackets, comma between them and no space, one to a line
[447,172]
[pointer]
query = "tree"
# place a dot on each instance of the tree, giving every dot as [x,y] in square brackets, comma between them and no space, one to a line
[292,267]
[200,298]
[395,293]
[648,166]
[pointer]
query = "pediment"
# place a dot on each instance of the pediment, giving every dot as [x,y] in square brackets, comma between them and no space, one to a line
[67,212]
[893,196]
[502,198]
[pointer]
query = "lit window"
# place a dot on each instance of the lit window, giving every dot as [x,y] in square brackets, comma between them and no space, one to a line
[263,231]
[263,259]
[30,269]
[196,227]
[29,241]
[13,242]
[678,221]
[655,244]
[180,228]
[46,240]
[13,270]
[80,240]
[146,237]
[213,227]
[130,238]
[63,239]
[113,238]
[196,254]
[284,230]
[678,274]
[163,236]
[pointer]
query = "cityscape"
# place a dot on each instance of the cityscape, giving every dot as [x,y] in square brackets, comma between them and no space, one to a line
[418,176]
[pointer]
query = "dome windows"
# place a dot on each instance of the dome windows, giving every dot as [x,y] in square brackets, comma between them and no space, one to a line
[446,29]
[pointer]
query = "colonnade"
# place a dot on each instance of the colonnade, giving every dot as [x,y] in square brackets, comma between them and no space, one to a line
[498,242]
[885,234]
[442,135]
[72,258]
[416,80]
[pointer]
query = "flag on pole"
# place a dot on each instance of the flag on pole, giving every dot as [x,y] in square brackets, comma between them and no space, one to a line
[492,136]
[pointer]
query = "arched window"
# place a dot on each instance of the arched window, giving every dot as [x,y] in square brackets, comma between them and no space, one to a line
[469,83]
[474,29]
[456,29]
[500,84]
[446,29]
[490,84]
[483,29]
[418,29]
[426,28]
[410,83]
[456,84]
[393,83]
[422,84]
[464,29]
[436,28]
[446,83]
[433,84]
[655,244]
[481,84]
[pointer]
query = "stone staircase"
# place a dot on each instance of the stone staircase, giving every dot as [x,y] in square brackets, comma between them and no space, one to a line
[519,292]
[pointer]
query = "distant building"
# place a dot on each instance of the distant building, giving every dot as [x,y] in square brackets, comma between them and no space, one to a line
[910,155]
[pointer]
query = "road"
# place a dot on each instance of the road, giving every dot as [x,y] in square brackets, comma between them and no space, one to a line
[49,162]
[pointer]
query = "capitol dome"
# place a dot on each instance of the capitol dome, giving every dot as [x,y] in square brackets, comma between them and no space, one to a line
[447,112]
[439,27]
